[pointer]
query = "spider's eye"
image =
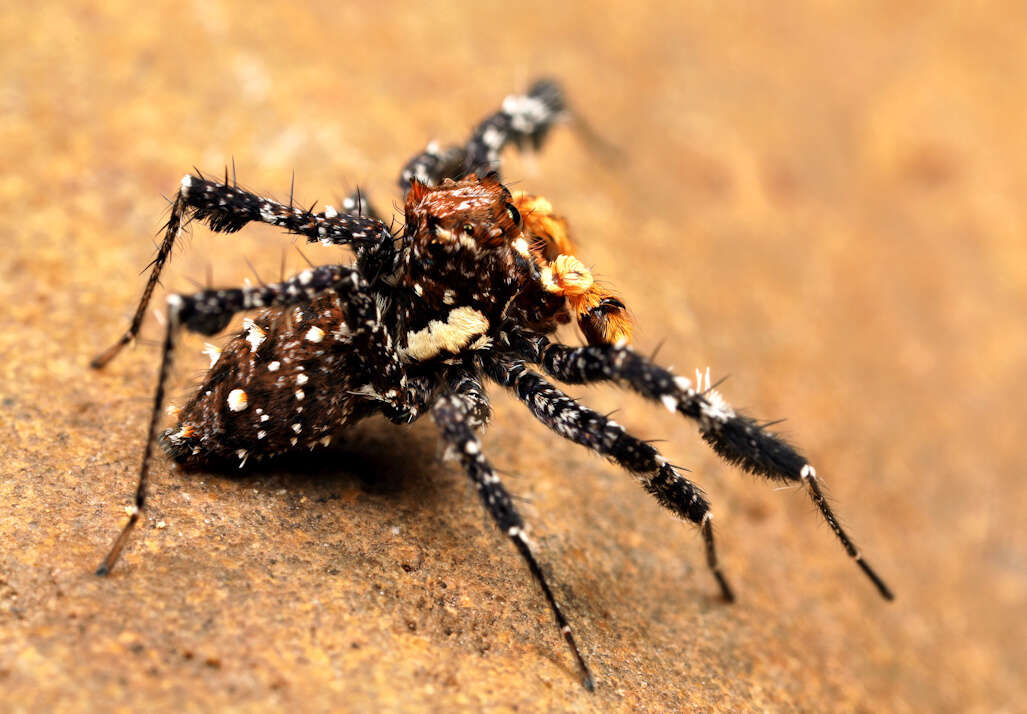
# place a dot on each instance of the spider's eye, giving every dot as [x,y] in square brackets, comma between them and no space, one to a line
[515,215]
[433,224]
[468,229]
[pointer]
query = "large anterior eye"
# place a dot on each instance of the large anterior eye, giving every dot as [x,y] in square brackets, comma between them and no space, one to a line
[515,215]
[468,229]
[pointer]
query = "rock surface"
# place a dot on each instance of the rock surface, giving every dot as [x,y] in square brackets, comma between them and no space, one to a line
[824,202]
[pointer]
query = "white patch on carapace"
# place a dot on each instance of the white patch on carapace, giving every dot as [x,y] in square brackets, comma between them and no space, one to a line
[302,378]
[447,236]
[297,427]
[237,400]
[264,418]
[314,334]
[521,246]
[261,434]
[254,334]
[300,395]
[273,366]
[462,326]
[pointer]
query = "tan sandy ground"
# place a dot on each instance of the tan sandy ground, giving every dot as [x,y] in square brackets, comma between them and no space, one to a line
[827,204]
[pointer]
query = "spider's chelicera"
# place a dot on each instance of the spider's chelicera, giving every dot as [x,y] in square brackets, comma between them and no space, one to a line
[471,289]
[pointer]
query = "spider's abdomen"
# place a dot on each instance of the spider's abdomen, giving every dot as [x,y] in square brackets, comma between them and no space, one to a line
[290,378]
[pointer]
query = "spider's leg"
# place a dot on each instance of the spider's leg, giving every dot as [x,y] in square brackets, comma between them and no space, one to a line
[737,438]
[582,425]
[454,415]
[227,208]
[471,392]
[167,355]
[432,165]
[524,118]
[209,311]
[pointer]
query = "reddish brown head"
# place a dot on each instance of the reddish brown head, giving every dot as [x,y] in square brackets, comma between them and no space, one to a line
[468,248]
[469,214]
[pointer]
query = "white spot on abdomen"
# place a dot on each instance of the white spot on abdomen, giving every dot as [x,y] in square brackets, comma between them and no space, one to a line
[237,400]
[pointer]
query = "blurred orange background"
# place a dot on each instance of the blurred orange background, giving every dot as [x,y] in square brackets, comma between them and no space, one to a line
[823,200]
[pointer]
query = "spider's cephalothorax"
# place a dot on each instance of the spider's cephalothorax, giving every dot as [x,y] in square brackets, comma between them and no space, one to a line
[468,265]
[471,289]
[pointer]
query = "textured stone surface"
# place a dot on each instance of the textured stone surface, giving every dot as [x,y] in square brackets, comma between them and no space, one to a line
[825,203]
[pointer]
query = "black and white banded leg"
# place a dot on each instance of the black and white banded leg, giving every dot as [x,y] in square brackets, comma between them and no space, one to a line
[453,414]
[737,438]
[227,208]
[522,119]
[209,311]
[582,425]
[432,165]
[468,386]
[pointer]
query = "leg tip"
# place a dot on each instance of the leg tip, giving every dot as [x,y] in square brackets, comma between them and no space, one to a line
[103,570]
[725,590]
[101,360]
[882,588]
[588,683]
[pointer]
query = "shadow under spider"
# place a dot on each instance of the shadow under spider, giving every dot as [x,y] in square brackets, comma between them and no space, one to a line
[397,463]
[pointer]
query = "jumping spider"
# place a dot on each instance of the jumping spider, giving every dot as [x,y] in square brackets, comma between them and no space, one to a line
[471,288]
